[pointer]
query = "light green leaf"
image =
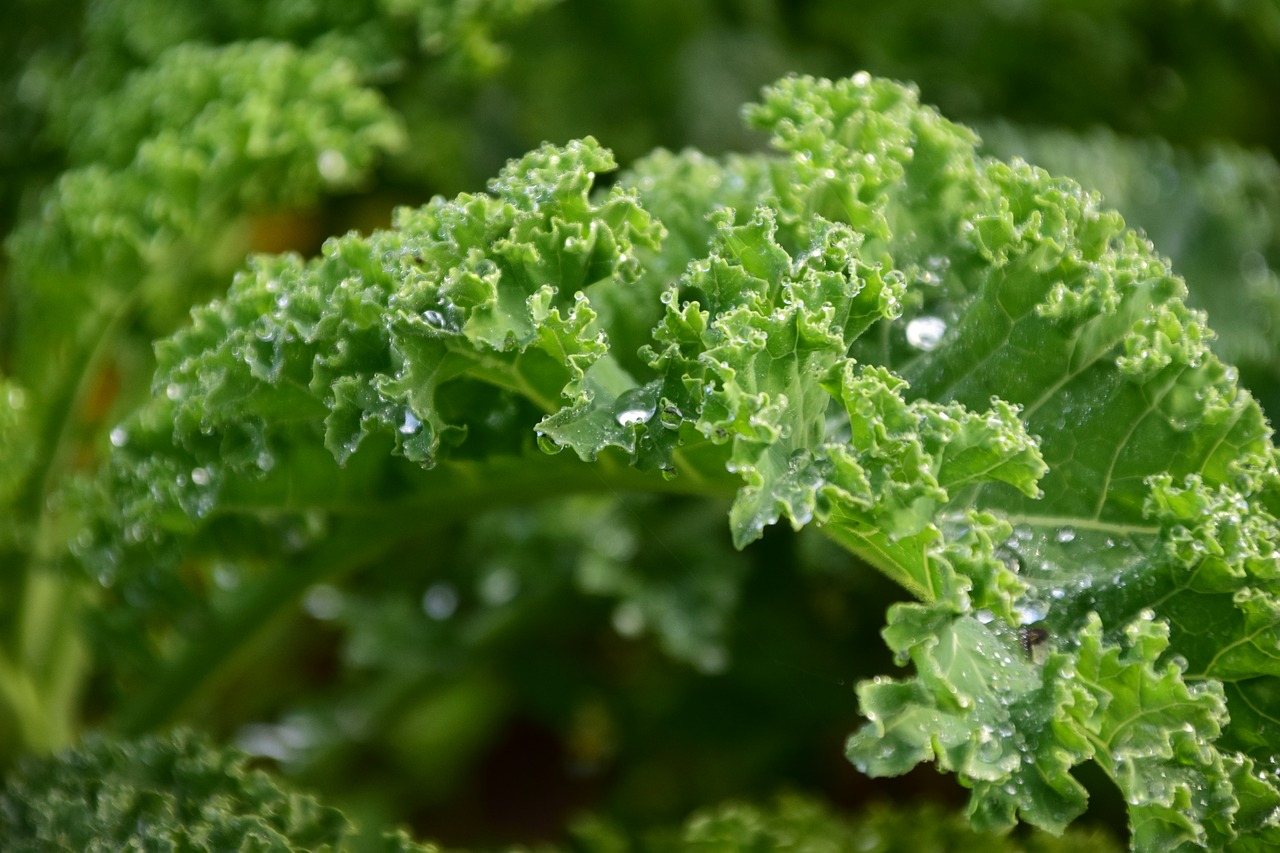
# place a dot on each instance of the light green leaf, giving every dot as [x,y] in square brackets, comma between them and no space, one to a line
[964,371]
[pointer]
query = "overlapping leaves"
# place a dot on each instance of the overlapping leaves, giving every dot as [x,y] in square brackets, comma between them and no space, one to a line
[965,371]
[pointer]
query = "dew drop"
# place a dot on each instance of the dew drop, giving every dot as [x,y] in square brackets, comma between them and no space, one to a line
[440,601]
[499,586]
[200,476]
[628,619]
[332,165]
[226,577]
[549,445]
[323,602]
[411,423]
[1031,611]
[285,742]
[1066,534]
[925,333]
[119,437]
[711,660]
[634,407]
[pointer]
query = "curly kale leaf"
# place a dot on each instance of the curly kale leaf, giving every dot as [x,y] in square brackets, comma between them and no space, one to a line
[182,792]
[1211,212]
[177,793]
[965,371]
[1158,499]
[165,171]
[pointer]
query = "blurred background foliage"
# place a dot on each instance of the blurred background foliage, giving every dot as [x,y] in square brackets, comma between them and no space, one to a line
[614,654]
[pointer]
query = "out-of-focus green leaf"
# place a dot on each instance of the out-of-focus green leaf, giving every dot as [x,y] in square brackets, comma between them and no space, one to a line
[1215,213]
[153,794]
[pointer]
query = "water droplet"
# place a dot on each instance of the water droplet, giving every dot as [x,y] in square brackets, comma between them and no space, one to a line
[925,333]
[119,437]
[226,577]
[323,601]
[332,165]
[173,391]
[1031,611]
[549,445]
[285,742]
[440,601]
[499,586]
[200,476]
[711,660]
[628,620]
[434,319]
[669,472]
[411,423]
[634,407]
[1066,534]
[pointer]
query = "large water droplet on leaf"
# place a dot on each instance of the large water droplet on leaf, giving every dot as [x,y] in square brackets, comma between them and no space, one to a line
[411,424]
[634,407]
[549,445]
[925,333]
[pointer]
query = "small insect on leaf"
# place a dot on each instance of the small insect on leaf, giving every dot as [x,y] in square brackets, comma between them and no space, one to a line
[1035,642]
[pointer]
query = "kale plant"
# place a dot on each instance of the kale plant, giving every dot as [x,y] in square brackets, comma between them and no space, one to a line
[541,401]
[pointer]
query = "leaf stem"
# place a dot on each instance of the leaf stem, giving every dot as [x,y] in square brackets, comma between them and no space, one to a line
[43,657]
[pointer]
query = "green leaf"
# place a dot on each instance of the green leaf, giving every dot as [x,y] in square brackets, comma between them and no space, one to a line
[178,793]
[964,371]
